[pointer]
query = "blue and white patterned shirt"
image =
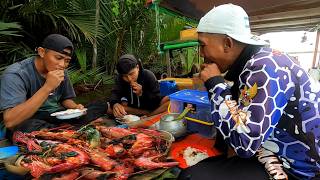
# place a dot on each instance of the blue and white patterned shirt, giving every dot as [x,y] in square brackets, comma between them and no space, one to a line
[277,108]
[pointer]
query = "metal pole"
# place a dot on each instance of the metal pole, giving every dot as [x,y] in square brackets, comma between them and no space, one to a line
[316,50]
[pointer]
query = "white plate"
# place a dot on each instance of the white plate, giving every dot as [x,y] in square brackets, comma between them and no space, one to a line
[69,113]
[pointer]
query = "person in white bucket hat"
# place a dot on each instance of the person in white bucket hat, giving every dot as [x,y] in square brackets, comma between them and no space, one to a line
[266,107]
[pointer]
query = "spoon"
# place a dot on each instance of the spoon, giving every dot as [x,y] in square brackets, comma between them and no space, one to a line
[183,114]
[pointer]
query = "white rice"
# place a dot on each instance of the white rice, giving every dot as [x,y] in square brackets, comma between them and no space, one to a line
[131,118]
[192,156]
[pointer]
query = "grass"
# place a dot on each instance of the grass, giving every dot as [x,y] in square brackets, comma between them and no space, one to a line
[101,93]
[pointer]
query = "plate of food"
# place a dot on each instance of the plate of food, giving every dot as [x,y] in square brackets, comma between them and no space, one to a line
[190,155]
[13,165]
[69,113]
[191,150]
[128,119]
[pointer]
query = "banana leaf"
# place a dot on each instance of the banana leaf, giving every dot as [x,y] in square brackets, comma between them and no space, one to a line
[158,174]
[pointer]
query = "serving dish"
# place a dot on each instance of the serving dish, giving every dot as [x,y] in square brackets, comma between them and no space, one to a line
[69,113]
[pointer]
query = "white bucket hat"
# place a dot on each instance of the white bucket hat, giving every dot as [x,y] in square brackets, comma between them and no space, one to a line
[231,20]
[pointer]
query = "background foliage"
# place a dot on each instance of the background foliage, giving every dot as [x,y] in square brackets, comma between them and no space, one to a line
[115,26]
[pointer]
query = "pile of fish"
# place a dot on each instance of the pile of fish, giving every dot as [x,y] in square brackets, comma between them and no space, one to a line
[93,152]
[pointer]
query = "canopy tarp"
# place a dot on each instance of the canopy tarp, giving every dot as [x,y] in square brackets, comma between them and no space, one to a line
[265,16]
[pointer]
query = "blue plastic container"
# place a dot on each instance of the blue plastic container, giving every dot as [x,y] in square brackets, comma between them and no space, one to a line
[168,87]
[2,131]
[199,119]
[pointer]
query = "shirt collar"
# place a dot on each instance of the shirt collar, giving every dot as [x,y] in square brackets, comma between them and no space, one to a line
[237,67]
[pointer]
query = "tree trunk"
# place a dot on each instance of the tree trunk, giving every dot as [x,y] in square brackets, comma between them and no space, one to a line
[94,43]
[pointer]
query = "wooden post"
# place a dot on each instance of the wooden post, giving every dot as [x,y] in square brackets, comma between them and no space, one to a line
[316,50]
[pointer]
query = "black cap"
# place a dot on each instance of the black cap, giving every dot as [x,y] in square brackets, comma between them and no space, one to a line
[126,63]
[58,43]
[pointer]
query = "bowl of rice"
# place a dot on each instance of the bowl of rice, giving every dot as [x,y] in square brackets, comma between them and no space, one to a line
[130,120]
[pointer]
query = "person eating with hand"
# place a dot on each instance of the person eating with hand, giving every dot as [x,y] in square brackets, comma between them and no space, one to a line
[34,88]
[136,90]
[265,107]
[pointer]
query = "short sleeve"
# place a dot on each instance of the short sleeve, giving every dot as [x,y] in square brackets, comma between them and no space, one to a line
[67,91]
[12,91]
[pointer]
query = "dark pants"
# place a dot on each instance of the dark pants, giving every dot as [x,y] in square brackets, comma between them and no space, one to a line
[43,120]
[225,168]
[235,168]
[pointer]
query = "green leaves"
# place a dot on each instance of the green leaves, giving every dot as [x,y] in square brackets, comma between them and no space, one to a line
[9,29]
[92,135]
[114,27]
[82,58]
[28,22]
[65,155]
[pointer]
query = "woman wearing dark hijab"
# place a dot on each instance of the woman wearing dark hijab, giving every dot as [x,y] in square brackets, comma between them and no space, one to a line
[136,90]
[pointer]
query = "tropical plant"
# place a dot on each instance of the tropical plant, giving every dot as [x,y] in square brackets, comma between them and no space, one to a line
[73,18]
[82,58]
[9,29]
[171,27]
[181,60]
[88,77]
[101,29]
[129,29]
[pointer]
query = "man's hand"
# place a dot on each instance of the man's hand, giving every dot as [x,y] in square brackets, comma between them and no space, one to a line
[118,110]
[208,71]
[54,78]
[137,88]
[79,106]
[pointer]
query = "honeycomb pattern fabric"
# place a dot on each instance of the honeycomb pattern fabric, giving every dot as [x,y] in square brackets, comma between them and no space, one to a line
[278,109]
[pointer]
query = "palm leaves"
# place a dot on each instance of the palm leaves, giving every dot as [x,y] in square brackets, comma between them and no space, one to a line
[74,18]
[9,29]
[115,27]
[7,32]
[126,25]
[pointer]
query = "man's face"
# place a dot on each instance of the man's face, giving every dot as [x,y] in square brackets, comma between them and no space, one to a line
[212,49]
[54,60]
[132,76]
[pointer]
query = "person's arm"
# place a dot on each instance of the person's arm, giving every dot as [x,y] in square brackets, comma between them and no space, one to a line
[136,111]
[120,110]
[152,90]
[16,115]
[116,93]
[115,98]
[162,108]
[70,104]
[246,125]
[151,94]
[19,113]
[67,95]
